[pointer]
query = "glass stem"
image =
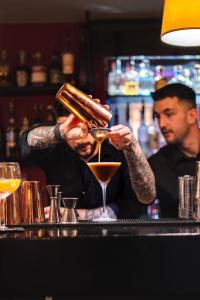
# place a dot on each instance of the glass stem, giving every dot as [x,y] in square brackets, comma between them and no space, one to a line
[103,186]
[2,213]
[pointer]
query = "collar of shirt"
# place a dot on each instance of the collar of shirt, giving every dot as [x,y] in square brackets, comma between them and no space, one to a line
[178,156]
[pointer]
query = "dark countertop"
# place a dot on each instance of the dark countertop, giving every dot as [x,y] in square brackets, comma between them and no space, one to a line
[131,258]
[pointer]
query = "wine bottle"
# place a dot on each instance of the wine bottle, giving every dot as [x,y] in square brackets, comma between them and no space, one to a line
[11,134]
[55,70]
[22,72]
[5,70]
[68,62]
[38,71]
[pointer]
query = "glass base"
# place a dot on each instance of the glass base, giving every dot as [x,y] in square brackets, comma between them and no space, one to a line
[104,218]
[4,228]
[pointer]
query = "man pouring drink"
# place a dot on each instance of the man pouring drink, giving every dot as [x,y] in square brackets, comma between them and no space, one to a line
[64,150]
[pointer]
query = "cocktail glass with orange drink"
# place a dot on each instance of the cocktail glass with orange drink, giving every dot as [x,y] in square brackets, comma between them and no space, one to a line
[10,179]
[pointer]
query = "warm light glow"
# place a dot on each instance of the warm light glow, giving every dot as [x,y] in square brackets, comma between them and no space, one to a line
[181,22]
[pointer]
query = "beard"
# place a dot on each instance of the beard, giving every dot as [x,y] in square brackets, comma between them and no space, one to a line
[86,149]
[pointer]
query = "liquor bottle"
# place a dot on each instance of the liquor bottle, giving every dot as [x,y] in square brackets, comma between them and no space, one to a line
[2,143]
[127,113]
[25,125]
[11,134]
[178,76]
[83,79]
[5,70]
[22,73]
[38,114]
[159,79]
[153,210]
[154,134]
[196,79]
[55,70]
[116,116]
[68,62]
[143,136]
[146,80]
[187,77]
[131,80]
[111,79]
[51,114]
[38,71]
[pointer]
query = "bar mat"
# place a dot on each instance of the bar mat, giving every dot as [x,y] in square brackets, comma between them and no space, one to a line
[119,222]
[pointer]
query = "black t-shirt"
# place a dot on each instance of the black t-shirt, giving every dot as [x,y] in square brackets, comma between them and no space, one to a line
[63,166]
[168,164]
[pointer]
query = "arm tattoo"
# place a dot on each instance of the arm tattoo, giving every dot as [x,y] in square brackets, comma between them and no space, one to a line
[42,137]
[95,213]
[141,175]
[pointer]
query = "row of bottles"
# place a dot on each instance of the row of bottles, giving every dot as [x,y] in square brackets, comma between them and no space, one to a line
[139,117]
[128,79]
[10,134]
[38,73]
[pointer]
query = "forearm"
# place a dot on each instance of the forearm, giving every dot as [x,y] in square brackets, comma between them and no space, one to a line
[42,137]
[91,214]
[141,175]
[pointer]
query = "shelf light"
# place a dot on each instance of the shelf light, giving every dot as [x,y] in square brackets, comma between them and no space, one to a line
[181,23]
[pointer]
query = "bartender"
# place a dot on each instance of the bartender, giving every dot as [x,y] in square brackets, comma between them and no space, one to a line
[63,150]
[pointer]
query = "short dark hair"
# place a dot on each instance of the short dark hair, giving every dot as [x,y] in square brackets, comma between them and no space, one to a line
[60,110]
[178,90]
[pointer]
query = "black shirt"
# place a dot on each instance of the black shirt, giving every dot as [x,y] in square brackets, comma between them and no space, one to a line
[63,166]
[168,164]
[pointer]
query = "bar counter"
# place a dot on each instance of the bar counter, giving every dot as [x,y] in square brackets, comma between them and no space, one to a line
[124,259]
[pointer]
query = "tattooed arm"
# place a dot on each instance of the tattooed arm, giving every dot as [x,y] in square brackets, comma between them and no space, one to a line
[43,137]
[141,175]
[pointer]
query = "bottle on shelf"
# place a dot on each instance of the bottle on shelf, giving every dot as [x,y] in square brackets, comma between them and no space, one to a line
[68,61]
[111,79]
[178,76]
[131,80]
[38,70]
[196,79]
[38,114]
[25,125]
[154,136]
[83,78]
[55,70]
[51,114]
[5,69]
[127,113]
[143,135]
[115,79]
[153,210]
[22,72]
[159,79]
[2,143]
[146,79]
[11,136]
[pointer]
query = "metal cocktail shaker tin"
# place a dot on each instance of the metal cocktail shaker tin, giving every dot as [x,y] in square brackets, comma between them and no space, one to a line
[83,107]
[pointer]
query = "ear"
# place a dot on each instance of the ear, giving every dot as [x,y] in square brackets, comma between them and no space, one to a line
[192,116]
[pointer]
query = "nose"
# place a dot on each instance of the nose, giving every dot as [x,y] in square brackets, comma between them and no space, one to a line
[162,122]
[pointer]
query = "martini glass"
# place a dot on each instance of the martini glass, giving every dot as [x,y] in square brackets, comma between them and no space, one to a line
[10,179]
[100,135]
[103,171]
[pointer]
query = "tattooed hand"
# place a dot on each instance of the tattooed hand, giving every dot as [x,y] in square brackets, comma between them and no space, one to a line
[120,137]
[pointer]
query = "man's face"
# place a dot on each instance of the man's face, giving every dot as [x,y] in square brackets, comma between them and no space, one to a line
[174,119]
[85,148]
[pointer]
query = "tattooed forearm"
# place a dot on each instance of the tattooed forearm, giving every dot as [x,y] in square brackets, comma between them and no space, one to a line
[92,214]
[41,137]
[141,175]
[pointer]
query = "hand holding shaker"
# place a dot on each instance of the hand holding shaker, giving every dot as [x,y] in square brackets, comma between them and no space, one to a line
[86,109]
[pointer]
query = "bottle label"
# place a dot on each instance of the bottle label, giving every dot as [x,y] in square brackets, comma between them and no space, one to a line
[68,63]
[38,75]
[55,77]
[21,78]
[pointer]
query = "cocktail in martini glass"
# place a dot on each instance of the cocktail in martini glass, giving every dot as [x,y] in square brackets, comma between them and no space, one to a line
[104,171]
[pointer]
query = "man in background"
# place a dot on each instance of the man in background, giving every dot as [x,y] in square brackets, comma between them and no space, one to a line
[177,115]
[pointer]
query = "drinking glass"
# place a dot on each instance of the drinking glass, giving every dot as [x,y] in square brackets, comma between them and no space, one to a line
[103,171]
[10,179]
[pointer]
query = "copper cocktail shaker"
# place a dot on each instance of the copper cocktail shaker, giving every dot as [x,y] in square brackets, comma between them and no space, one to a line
[83,107]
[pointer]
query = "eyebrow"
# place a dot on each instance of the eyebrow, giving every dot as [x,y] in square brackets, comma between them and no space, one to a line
[166,110]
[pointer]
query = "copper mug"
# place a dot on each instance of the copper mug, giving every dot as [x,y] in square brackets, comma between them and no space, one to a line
[86,109]
[32,210]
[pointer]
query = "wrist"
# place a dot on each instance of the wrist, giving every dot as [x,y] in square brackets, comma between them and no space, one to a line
[58,133]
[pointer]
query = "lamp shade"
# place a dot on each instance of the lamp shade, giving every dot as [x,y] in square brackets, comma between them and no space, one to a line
[181,23]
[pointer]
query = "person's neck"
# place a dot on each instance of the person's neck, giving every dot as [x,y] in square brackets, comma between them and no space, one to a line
[191,145]
[93,154]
